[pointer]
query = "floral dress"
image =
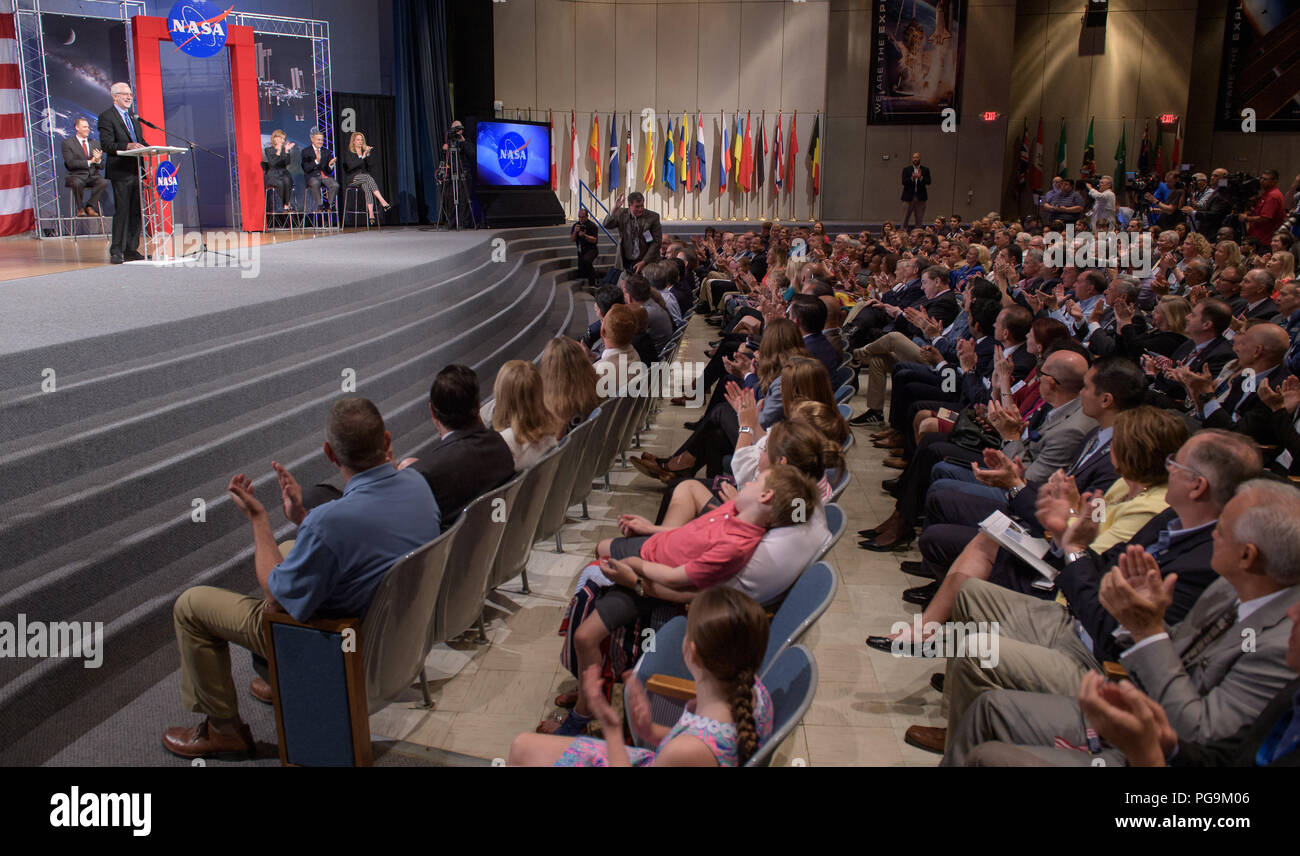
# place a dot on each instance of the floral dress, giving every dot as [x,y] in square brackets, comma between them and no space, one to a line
[720,737]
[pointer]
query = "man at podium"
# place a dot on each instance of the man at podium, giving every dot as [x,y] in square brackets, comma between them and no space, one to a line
[120,130]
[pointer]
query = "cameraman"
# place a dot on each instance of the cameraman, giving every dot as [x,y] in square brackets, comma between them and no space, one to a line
[1207,206]
[584,236]
[1269,210]
[455,136]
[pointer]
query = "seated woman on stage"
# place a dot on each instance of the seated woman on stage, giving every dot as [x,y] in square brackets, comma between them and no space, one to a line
[275,168]
[356,165]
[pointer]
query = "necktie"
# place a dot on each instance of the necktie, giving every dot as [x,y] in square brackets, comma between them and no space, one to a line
[130,126]
[1210,634]
[1087,451]
[85,148]
[1285,737]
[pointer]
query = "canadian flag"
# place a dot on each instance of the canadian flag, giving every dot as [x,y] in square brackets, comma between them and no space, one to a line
[16,213]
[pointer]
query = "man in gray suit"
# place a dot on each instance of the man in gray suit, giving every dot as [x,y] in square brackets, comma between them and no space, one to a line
[1212,673]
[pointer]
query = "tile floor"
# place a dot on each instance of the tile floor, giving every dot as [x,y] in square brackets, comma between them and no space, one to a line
[485,694]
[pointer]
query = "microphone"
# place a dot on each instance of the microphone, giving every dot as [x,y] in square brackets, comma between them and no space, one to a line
[144,121]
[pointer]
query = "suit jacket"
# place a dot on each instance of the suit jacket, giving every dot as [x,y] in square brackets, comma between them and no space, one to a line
[1022,363]
[113,137]
[75,160]
[311,167]
[1225,688]
[1189,557]
[1266,311]
[1095,473]
[1057,443]
[353,164]
[821,348]
[915,189]
[1253,417]
[1216,354]
[273,163]
[1240,749]
[464,466]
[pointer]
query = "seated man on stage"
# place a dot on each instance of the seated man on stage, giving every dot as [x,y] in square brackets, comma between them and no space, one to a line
[342,551]
[317,164]
[84,161]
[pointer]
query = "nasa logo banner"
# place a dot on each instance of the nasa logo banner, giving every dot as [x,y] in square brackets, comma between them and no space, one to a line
[166,182]
[198,27]
[512,154]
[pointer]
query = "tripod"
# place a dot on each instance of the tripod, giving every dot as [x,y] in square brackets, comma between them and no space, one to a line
[453,191]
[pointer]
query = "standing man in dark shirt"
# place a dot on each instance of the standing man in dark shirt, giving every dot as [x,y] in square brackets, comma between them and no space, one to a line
[639,232]
[916,179]
[584,236]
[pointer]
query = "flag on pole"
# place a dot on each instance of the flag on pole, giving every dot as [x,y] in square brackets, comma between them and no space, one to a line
[747,158]
[1036,165]
[1061,166]
[1144,153]
[1178,138]
[690,155]
[794,149]
[778,165]
[555,176]
[737,150]
[701,157]
[631,156]
[1089,153]
[572,155]
[670,169]
[683,163]
[1022,158]
[815,151]
[593,149]
[1160,149]
[650,156]
[760,149]
[1121,159]
[726,157]
[613,152]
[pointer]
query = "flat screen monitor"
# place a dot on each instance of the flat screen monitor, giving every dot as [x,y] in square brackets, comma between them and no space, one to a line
[513,154]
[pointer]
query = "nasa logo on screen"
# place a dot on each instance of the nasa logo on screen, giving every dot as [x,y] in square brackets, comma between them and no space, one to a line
[198,27]
[512,154]
[165,180]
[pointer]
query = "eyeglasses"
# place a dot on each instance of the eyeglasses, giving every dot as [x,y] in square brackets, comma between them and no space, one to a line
[1171,465]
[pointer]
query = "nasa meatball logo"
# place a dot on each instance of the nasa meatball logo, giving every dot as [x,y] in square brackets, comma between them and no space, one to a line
[512,154]
[165,179]
[198,27]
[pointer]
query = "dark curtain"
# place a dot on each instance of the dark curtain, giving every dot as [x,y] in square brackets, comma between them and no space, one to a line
[372,115]
[423,104]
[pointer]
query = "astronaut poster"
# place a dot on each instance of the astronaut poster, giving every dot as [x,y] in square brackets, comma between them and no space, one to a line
[917,49]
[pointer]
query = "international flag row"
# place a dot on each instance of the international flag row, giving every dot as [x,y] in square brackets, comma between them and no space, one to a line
[746,158]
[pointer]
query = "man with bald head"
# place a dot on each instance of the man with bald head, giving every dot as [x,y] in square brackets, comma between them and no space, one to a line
[120,130]
[1234,404]
[1200,670]
[916,178]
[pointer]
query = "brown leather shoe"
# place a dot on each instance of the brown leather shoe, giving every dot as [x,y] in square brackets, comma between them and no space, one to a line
[895,463]
[202,741]
[924,737]
[888,443]
[260,690]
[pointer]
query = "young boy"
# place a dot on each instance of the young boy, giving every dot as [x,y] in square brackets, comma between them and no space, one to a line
[675,564]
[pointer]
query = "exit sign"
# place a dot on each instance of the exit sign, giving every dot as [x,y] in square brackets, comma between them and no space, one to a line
[989,115]
[1169,119]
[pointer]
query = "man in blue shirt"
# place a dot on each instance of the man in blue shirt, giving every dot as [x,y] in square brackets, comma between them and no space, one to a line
[342,551]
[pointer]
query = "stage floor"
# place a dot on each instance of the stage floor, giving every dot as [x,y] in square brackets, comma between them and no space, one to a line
[59,291]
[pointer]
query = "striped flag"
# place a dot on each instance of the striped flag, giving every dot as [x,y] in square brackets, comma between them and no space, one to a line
[794,149]
[555,177]
[726,157]
[631,156]
[16,213]
[701,157]
[613,152]
[778,165]
[648,174]
[747,158]
[815,152]
[670,168]
[737,150]
[760,150]
[683,166]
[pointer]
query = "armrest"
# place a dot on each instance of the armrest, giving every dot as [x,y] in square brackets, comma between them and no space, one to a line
[682,689]
[1114,671]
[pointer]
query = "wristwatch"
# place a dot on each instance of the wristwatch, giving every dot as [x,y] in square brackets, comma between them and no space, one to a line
[1075,555]
[745,429]
[1013,491]
[640,587]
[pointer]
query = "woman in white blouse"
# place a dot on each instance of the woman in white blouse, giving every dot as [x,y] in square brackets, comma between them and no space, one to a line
[520,413]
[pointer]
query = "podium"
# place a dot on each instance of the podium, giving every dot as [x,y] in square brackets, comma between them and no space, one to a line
[155,212]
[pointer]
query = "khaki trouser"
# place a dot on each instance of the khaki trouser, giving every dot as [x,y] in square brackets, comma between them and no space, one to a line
[1037,648]
[207,620]
[879,357]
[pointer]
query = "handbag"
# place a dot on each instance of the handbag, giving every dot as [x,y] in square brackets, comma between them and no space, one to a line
[973,434]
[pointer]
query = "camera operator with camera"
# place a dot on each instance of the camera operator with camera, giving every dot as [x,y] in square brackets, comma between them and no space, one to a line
[1269,210]
[1169,206]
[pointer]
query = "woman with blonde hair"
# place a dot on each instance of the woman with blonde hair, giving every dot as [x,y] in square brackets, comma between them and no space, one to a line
[1226,254]
[275,168]
[520,413]
[568,383]
[1282,265]
[356,166]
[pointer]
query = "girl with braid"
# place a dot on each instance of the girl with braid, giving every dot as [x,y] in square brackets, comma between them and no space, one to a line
[726,637]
